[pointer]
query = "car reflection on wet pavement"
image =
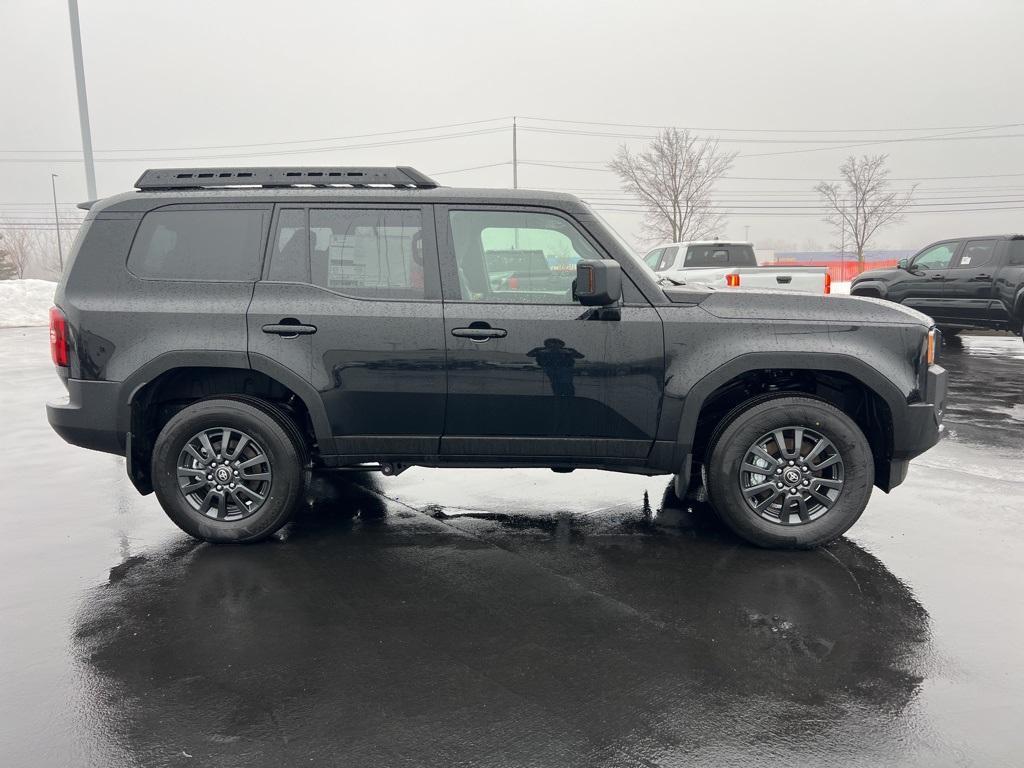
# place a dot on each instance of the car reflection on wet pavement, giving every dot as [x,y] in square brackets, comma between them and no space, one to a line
[513,617]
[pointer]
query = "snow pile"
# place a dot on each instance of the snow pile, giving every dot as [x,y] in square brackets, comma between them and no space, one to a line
[25,302]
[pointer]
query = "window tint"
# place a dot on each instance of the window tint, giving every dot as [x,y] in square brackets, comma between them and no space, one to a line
[937,257]
[223,244]
[290,259]
[977,253]
[367,253]
[505,256]
[720,256]
[707,256]
[1016,253]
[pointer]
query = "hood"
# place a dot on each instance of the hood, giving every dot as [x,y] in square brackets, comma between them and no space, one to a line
[738,304]
[880,274]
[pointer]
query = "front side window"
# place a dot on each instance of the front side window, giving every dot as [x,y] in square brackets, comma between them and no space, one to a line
[513,257]
[1016,253]
[938,257]
[653,259]
[212,244]
[367,253]
[977,253]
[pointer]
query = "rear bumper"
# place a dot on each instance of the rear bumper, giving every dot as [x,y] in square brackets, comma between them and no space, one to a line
[89,416]
[918,428]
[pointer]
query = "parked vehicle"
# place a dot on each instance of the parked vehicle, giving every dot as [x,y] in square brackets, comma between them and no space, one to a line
[228,340]
[969,282]
[728,264]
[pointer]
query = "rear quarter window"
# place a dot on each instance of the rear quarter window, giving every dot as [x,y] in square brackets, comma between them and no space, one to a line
[215,244]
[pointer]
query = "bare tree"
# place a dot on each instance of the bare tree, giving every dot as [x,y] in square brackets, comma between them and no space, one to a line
[24,249]
[862,202]
[18,247]
[674,178]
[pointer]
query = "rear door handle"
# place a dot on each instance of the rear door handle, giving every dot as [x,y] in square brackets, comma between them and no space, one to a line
[938,277]
[783,279]
[479,334]
[289,328]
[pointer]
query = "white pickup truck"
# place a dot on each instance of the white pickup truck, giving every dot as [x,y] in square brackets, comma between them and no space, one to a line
[729,264]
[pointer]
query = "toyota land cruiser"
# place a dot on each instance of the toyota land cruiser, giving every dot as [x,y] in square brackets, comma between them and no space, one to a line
[228,331]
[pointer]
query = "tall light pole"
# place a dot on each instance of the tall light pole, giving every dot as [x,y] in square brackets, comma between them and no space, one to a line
[83,101]
[515,157]
[56,220]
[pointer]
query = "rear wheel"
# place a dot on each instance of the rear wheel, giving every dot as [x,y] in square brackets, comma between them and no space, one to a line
[228,471]
[789,472]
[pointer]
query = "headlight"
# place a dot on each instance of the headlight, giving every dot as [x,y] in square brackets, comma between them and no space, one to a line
[930,349]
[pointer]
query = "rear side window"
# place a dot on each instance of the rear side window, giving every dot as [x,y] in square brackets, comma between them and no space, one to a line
[367,253]
[219,244]
[977,253]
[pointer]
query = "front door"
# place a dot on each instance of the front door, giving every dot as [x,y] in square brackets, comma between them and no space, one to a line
[923,287]
[969,284]
[362,284]
[533,374]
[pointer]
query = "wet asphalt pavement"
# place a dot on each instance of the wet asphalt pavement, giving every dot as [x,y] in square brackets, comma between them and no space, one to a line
[513,617]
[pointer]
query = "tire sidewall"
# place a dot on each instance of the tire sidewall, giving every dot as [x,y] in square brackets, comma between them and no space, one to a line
[729,450]
[287,472]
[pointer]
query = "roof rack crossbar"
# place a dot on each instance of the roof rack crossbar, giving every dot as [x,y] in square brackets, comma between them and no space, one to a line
[401,176]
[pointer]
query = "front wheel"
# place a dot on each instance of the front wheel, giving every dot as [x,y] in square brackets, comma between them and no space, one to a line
[229,471]
[789,472]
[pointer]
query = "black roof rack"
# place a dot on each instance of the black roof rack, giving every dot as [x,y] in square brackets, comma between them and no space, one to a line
[401,176]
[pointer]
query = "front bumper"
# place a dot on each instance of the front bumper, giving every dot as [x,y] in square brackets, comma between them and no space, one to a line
[89,417]
[918,428]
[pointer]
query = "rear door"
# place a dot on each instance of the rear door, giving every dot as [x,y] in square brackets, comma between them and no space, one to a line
[532,374]
[969,283]
[361,283]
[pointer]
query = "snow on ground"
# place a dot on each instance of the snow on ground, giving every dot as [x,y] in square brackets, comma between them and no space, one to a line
[25,302]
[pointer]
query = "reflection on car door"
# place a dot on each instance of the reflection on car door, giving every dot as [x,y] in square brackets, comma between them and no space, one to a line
[969,285]
[531,372]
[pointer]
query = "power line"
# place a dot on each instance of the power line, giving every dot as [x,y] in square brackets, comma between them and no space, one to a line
[270,143]
[771,130]
[278,153]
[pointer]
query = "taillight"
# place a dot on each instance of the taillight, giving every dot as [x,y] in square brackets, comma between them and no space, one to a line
[58,338]
[513,283]
[828,282]
[929,354]
[733,280]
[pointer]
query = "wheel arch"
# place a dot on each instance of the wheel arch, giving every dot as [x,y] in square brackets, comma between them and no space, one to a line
[842,380]
[173,380]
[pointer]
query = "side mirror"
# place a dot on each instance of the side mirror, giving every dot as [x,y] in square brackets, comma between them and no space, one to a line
[903,264]
[598,283]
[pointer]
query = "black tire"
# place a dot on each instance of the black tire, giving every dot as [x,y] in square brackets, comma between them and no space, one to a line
[271,436]
[746,426]
[948,331]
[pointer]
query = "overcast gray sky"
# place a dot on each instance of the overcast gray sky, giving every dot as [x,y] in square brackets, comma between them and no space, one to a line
[767,77]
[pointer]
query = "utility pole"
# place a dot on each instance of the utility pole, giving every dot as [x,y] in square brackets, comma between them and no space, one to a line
[56,220]
[83,102]
[515,157]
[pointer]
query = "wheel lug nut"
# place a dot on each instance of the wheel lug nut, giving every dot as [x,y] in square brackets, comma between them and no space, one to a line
[218,488]
[209,477]
[779,485]
[791,462]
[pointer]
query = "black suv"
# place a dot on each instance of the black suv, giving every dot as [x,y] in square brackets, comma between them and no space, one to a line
[968,282]
[228,331]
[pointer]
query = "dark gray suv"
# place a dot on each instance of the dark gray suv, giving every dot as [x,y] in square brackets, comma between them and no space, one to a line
[228,331]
